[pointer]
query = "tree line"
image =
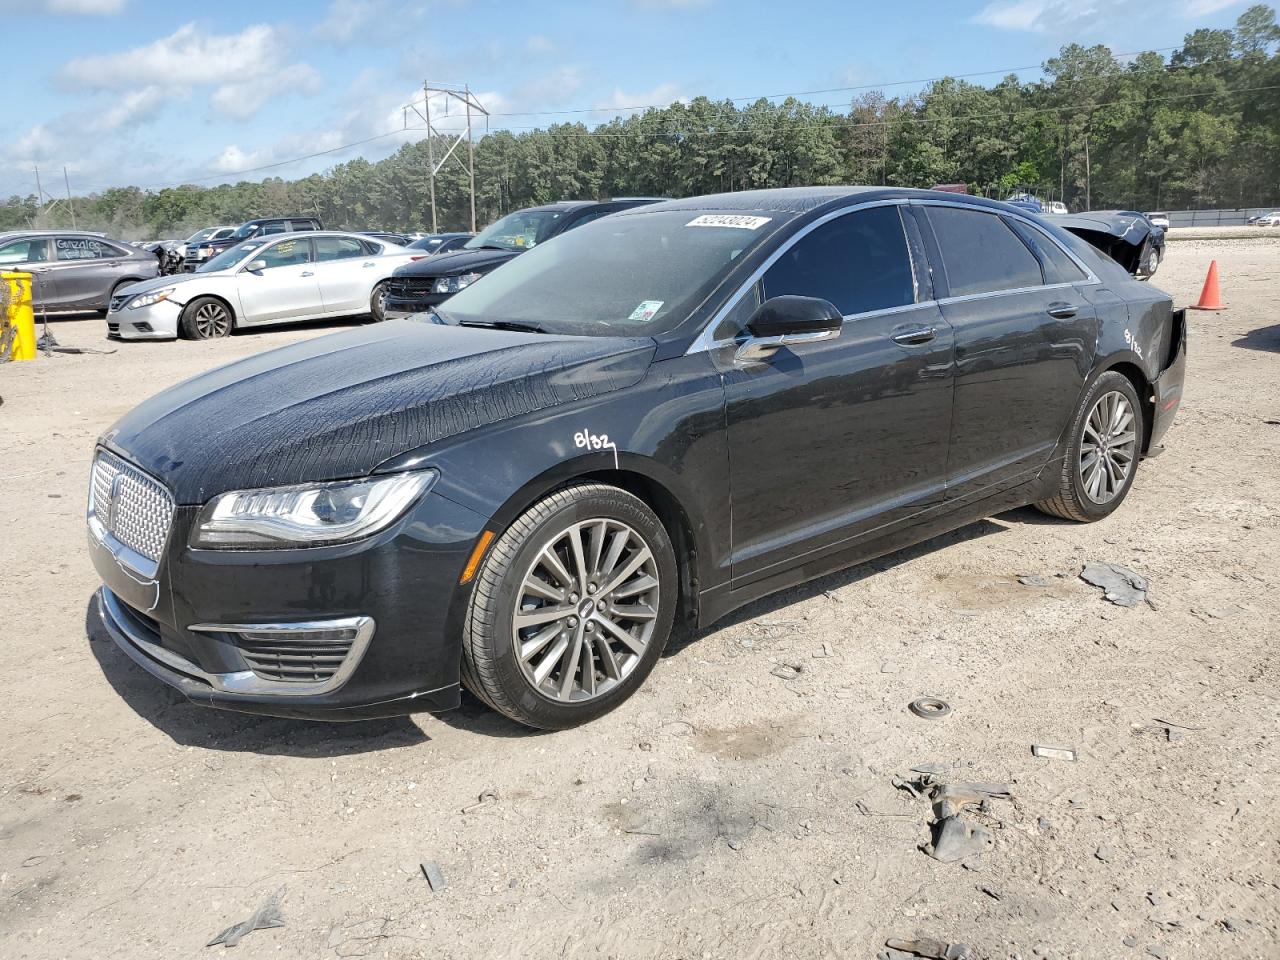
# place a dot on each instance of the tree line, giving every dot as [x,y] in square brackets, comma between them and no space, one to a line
[1198,129]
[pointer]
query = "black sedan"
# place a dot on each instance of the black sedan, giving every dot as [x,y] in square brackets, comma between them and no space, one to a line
[420,286]
[654,419]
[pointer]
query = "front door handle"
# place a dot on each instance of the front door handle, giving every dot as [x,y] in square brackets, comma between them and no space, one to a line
[308,273]
[915,335]
[369,264]
[1061,311]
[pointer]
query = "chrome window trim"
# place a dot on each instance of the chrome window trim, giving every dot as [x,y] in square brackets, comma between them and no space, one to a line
[706,340]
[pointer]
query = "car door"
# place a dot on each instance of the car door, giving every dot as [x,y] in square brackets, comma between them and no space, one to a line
[346,272]
[33,255]
[1024,345]
[833,440]
[84,270]
[284,288]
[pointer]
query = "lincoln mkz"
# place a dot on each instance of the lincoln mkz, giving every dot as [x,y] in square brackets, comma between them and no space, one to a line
[640,425]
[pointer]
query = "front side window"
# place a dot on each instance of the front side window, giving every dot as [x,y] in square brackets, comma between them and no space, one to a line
[338,248]
[635,275]
[246,230]
[286,253]
[980,253]
[517,231]
[859,262]
[25,251]
[230,257]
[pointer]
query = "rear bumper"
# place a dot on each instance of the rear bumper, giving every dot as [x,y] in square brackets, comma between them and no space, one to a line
[1168,386]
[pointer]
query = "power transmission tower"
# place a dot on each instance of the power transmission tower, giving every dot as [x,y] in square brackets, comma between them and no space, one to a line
[471,105]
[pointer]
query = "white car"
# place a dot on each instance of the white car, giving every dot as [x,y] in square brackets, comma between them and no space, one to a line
[1271,219]
[1057,208]
[274,279]
[1161,220]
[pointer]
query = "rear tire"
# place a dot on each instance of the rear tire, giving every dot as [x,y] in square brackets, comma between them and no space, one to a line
[1107,432]
[592,571]
[206,318]
[378,302]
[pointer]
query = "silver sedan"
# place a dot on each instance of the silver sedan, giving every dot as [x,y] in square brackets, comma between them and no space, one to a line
[278,279]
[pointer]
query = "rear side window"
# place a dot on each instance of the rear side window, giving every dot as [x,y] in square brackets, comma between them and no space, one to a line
[981,254]
[859,262]
[1058,267]
[338,248]
[83,248]
[275,226]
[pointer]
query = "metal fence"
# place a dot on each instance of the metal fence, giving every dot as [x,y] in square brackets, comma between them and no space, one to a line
[1216,218]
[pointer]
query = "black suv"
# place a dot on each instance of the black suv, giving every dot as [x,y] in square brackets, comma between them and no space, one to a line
[423,284]
[196,255]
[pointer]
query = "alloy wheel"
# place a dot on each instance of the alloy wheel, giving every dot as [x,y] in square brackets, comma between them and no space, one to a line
[1108,447]
[212,320]
[586,610]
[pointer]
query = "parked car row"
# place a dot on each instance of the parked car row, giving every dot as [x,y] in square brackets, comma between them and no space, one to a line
[75,271]
[648,419]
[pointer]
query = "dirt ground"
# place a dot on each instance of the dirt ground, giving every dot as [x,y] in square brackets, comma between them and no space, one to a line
[724,812]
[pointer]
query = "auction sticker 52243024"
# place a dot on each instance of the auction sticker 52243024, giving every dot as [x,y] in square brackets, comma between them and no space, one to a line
[738,221]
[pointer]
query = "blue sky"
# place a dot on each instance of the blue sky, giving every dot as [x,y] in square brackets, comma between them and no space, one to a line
[156,93]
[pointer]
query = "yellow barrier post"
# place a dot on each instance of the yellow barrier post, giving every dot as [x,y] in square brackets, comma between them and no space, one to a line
[20,315]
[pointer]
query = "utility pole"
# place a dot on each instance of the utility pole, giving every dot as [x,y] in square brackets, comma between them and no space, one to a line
[1088,177]
[70,204]
[464,95]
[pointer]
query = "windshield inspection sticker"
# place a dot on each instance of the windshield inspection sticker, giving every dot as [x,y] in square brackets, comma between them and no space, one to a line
[646,310]
[738,221]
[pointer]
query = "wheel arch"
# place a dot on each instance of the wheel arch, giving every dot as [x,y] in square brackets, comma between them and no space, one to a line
[629,475]
[1130,370]
[225,301]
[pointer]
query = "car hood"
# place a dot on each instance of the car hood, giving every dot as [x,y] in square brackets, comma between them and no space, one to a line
[336,407]
[456,263]
[1120,236]
[163,283]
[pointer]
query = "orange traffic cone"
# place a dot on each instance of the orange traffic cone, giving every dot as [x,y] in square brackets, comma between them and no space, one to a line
[1210,299]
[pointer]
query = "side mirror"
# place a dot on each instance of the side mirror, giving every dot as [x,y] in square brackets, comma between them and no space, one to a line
[255,265]
[788,321]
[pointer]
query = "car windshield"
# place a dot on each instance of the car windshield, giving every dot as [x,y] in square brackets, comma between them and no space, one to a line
[426,243]
[245,231]
[204,234]
[517,231]
[634,275]
[229,257]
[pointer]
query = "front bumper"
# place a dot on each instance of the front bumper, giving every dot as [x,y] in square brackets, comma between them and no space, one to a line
[399,306]
[156,322]
[193,622]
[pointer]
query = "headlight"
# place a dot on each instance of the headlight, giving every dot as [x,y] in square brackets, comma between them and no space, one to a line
[147,299]
[307,515]
[454,284]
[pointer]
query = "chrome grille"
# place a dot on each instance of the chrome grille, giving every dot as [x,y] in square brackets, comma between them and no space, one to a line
[131,506]
[410,286]
[295,660]
[118,301]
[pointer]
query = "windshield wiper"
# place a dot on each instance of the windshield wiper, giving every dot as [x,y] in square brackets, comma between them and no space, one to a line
[521,325]
[492,246]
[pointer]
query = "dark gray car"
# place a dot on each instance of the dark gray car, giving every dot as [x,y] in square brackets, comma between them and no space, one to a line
[75,271]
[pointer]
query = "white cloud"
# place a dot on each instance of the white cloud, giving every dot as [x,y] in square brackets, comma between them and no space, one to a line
[348,19]
[133,107]
[663,95]
[234,160]
[1038,16]
[77,8]
[242,99]
[538,43]
[187,51]
[1202,8]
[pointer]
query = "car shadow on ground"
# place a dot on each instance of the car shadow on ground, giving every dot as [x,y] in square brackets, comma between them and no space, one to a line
[1263,338]
[843,578]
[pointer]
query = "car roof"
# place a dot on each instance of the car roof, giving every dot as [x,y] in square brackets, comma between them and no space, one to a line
[800,200]
[56,233]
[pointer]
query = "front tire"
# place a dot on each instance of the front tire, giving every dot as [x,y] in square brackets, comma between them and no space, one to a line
[1106,442]
[571,608]
[206,318]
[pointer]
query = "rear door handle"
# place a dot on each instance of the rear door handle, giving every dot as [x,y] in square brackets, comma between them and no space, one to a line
[915,335]
[1061,311]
